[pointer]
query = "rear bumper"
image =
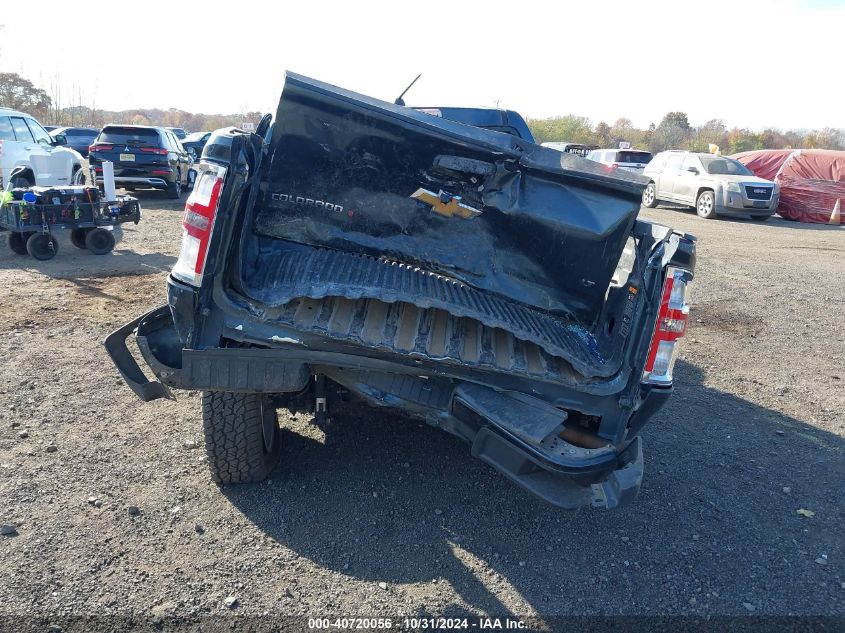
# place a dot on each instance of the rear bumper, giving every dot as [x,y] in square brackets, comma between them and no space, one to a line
[567,476]
[151,181]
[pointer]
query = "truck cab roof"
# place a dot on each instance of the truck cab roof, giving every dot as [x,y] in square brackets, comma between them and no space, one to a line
[495,119]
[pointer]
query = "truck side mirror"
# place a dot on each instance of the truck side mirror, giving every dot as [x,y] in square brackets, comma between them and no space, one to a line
[60,139]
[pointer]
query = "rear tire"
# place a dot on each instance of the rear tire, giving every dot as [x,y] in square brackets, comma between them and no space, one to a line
[174,189]
[650,196]
[99,241]
[24,182]
[78,177]
[42,246]
[17,242]
[705,205]
[77,238]
[241,436]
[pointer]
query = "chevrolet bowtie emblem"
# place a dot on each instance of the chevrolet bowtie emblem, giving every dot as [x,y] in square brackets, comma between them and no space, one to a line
[445,204]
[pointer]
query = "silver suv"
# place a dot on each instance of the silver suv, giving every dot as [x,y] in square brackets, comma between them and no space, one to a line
[714,185]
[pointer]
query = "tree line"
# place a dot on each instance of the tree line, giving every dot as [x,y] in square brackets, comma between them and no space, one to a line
[675,132]
[19,93]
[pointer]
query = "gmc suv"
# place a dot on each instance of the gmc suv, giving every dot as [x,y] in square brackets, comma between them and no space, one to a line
[143,156]
[504,292]
[714,185]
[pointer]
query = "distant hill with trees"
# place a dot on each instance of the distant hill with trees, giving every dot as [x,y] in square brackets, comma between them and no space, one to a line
[675,132]
[21,94]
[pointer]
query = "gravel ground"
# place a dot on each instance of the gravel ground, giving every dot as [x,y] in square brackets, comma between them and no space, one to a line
[113,511]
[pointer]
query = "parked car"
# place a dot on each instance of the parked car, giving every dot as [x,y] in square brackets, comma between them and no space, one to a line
[194,143]
[630,159]
[714,185]
[179,132]
[45,159]
[413,262]
[143,156]
[78,138]
[578,149]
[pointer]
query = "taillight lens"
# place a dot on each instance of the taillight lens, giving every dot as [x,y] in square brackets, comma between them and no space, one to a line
[198,223]
[154,150]
[100,147]
[670,327]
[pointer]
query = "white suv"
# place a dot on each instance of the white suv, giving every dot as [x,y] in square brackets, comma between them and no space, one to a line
[624,158]
[25,143]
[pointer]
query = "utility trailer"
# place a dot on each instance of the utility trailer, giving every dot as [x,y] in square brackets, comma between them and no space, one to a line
[33,214]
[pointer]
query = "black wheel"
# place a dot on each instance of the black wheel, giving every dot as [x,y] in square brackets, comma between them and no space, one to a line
[174,189]
[650,196]
[705,205]
[760,218]
[42,246]
[78,177]
[17,242]
[77,238]
[22,182]
[99,241]
[241,436]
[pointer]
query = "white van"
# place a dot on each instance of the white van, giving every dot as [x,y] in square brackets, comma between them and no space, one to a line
[25,143]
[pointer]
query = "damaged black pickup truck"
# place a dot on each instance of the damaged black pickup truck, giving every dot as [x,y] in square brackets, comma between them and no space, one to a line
[355,249]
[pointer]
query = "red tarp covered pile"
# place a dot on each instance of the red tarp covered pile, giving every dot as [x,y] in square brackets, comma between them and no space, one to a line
[811,180]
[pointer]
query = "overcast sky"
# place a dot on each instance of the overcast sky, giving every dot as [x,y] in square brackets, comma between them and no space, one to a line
[753,63]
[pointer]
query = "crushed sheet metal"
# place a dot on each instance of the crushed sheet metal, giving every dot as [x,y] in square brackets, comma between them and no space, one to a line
[316,274]
[425,334]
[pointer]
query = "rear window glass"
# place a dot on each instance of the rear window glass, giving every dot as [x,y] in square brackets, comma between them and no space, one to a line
[6,132]
[22,132]
[507,129]
[674,161]
[633,157]
[129,136]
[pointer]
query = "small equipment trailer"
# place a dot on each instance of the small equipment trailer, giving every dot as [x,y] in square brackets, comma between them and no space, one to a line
[33,214]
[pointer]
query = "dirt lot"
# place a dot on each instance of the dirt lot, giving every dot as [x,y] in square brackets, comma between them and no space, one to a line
[386,516]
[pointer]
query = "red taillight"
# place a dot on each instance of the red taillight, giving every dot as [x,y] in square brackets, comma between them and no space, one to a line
[154,150]
[671,325]
[100,147]
[198,224]
[162,171]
